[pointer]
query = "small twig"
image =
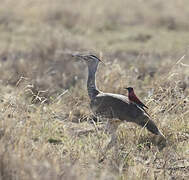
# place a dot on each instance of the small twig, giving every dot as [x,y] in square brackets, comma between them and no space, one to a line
[21,78]
[185,65]
[180,59]
[58,98]
[142,130]
[178,167]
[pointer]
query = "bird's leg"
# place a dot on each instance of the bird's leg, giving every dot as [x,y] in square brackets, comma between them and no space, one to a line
[111,128]
[112,142]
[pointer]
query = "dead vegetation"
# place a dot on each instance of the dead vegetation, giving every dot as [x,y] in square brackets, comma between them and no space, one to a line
[46,129]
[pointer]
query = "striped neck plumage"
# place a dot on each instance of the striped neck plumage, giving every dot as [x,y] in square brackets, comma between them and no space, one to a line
[91,82]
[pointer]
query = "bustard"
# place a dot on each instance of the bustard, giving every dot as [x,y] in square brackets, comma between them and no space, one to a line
[115,107]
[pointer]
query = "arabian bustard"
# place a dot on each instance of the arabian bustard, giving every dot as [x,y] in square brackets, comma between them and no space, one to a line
[114,106]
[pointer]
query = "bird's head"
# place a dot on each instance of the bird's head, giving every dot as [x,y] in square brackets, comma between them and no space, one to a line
[130,89]
[90,59]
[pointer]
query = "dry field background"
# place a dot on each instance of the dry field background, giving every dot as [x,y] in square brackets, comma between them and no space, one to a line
[45,128]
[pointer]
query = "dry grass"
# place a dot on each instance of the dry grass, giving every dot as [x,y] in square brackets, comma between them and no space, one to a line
[45,129]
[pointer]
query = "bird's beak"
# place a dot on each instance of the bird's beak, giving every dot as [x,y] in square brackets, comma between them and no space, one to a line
[126,88]
[82,57]
[102,62]
[78,56]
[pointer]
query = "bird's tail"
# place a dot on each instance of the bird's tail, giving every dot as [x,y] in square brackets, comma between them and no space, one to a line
[145,121]
[151,126]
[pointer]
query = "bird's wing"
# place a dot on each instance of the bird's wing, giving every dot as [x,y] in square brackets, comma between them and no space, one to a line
[136,100]
[142,104]
[115,106]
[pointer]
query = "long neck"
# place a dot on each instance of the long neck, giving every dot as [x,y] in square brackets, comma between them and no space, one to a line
[91,82]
